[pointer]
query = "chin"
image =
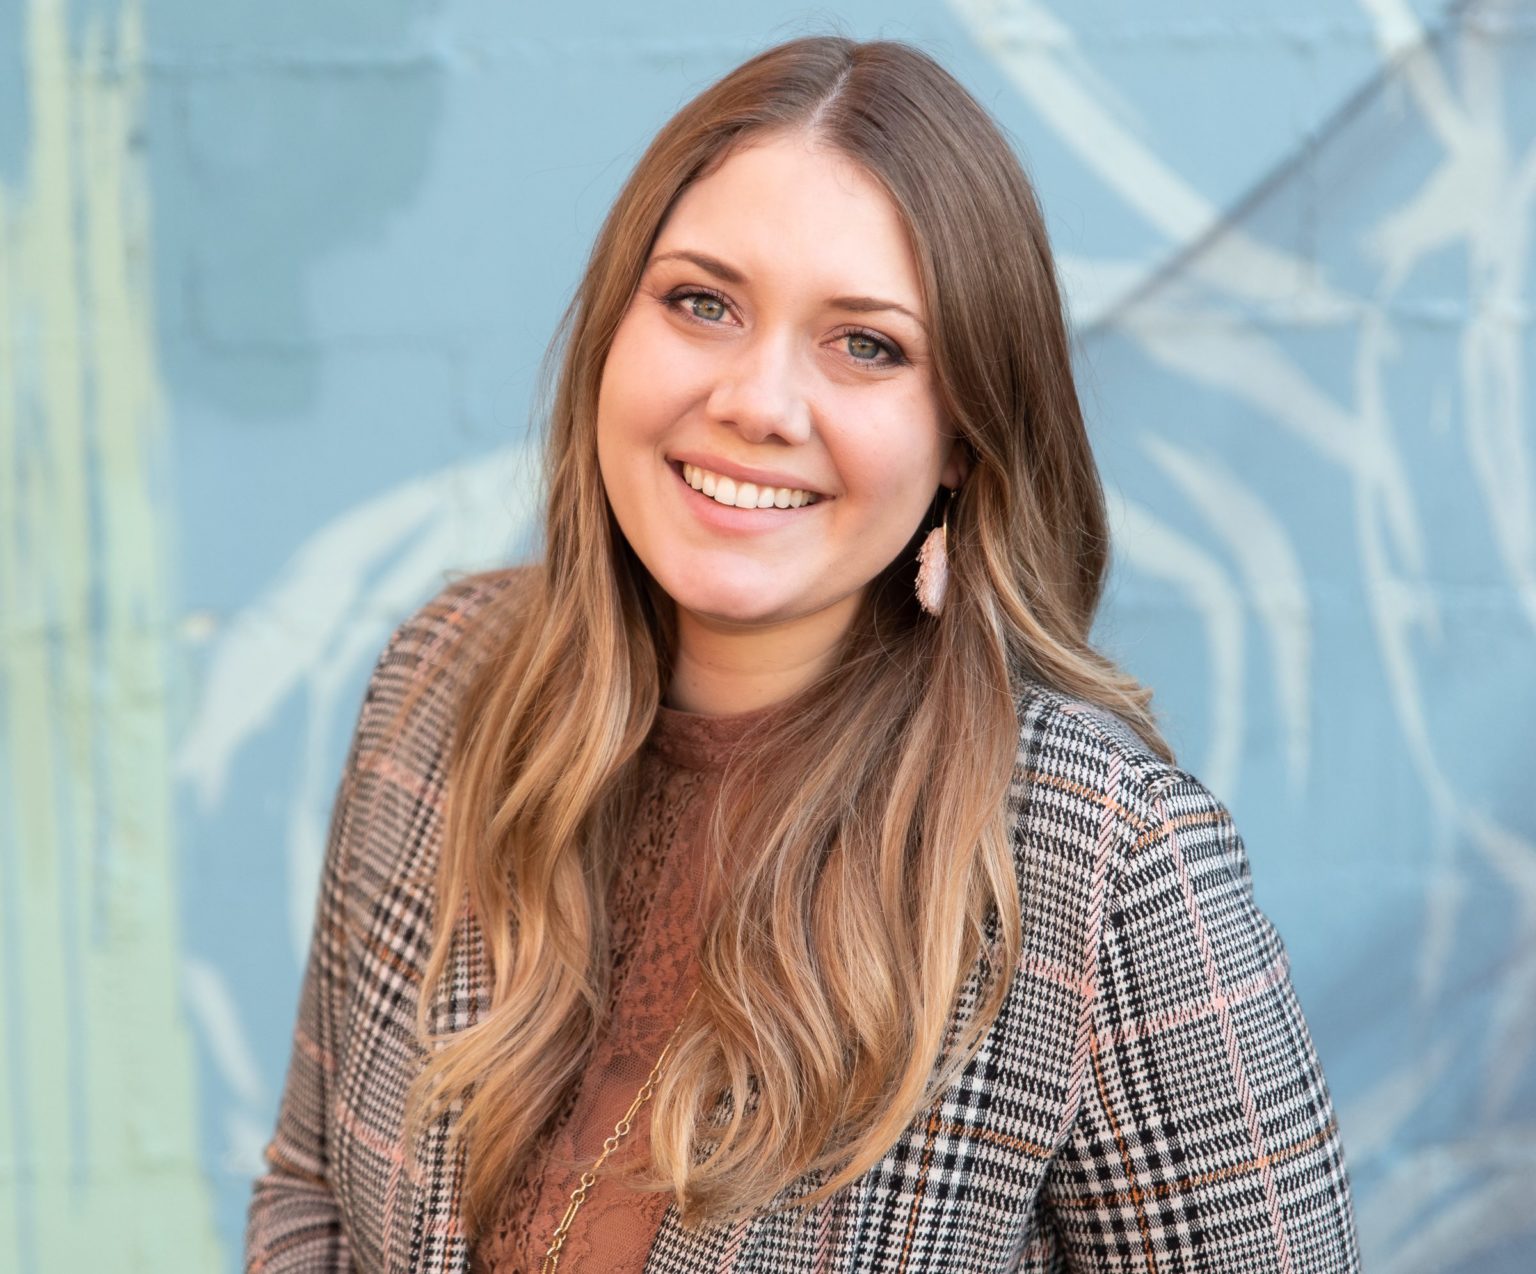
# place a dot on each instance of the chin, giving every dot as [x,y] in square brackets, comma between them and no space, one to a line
[726,597]
[727,607]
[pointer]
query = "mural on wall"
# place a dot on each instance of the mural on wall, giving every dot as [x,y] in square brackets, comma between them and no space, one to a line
[98,1118]
[260,385]
[1359,326]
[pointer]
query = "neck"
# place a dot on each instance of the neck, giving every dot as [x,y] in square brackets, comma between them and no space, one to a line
[723,669]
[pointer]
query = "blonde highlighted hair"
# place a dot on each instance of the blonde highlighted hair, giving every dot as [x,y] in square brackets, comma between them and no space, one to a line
[877,870]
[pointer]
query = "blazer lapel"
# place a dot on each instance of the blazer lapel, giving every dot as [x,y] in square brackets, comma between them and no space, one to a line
[956,1191]
[434,1241]
[779,1239]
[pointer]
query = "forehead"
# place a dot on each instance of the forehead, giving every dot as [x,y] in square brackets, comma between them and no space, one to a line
[788,209]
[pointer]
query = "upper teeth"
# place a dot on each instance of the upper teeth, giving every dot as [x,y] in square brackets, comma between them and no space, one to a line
[744,495]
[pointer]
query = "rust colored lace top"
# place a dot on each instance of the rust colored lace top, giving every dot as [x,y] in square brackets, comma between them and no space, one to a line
[654,906]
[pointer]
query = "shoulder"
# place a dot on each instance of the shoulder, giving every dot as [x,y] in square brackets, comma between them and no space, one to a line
[432,651]
[1083,747]
[410,708]
[393,781]
[451,623]
[1085,783]
[1122,853]
[1192,1071]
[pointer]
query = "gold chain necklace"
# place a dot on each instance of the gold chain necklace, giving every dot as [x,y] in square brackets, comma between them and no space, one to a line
[620,1131]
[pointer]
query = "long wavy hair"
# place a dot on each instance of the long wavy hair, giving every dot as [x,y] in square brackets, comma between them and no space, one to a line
[877,873]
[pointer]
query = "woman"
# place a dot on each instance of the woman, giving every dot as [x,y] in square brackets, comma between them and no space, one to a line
[731,890]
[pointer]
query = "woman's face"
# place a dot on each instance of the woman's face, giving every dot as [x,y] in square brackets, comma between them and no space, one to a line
[773,356]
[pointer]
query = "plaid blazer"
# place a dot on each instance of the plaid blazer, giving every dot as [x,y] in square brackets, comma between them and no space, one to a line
[1148,1098]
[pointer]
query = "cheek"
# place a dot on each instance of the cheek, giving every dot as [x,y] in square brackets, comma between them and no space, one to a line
[615,390]
[626,415]
[634,402]
[896,459]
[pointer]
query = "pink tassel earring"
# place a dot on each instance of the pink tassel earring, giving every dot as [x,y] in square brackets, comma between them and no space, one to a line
[933,563]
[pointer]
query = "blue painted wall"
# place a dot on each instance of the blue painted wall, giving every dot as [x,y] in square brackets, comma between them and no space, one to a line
[1296,240]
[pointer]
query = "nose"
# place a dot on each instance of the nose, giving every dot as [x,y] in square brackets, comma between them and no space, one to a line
[758,392]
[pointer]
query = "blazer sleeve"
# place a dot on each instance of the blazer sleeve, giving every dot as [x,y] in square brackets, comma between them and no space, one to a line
[1206,1137]
[294,1222]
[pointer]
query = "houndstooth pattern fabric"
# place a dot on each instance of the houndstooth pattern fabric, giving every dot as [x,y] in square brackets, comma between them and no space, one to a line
[1147,1100]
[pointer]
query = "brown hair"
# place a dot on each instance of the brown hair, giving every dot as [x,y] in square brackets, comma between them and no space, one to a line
[880,870]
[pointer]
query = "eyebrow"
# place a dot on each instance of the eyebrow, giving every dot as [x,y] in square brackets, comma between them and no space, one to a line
[730,274]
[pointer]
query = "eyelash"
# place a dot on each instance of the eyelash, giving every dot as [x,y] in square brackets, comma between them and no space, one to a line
[894,356]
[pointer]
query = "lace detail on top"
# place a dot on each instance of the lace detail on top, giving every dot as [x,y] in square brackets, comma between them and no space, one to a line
[655,922]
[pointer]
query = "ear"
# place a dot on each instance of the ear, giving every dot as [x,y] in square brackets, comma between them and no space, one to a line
[957,465]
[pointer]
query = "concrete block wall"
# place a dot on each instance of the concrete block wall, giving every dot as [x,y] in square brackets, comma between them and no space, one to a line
[274,285]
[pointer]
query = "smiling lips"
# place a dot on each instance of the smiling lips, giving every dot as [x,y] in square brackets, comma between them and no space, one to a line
[745,495]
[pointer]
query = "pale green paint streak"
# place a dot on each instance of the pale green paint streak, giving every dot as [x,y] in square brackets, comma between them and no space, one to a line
[10,1232]
[116,1180]
[46,306]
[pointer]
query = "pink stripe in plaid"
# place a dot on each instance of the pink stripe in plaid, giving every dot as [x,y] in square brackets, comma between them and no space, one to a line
[1244,990]
[1220,1003]
[1097,887]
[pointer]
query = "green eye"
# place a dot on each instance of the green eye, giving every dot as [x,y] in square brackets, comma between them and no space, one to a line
[706,307]
[863,348]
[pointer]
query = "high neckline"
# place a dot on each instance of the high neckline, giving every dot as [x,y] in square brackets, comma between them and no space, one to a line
[697,741]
